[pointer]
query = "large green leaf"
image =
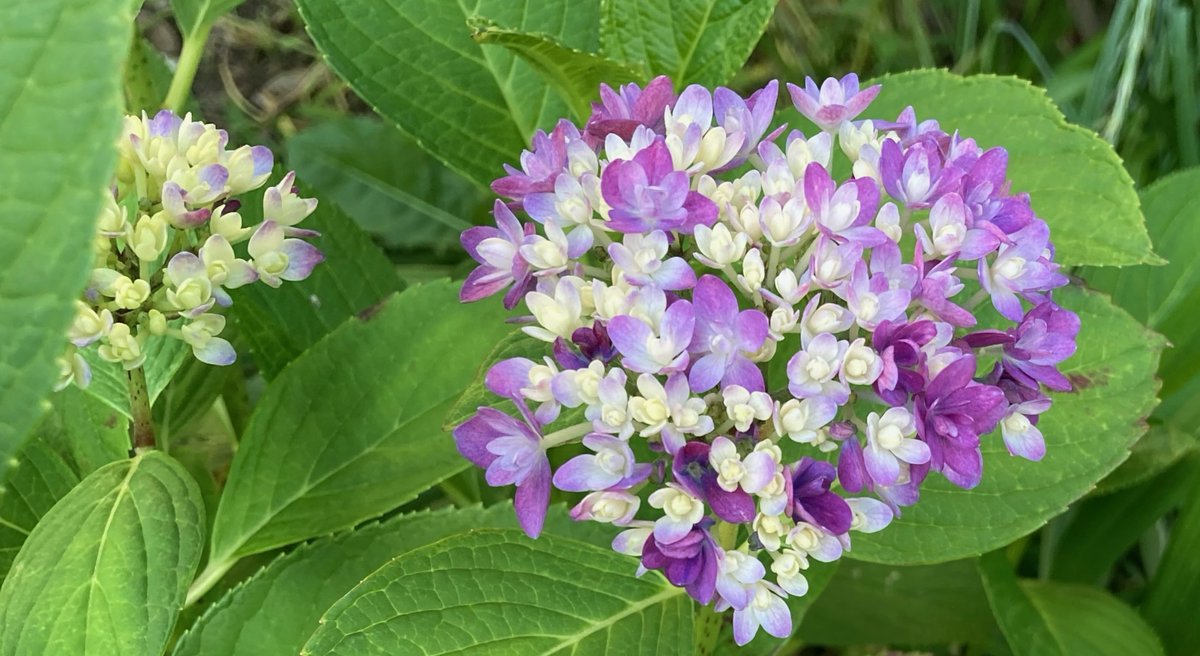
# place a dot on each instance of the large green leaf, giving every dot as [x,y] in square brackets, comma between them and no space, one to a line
[352,428]
[574,74]
[106,570]
[393,189]
[1072,175]
[279,324]
[60,111]
[693,41]
[1174,594]
[275,611]
[1101,529]
[1040,618]
[1165,298]
[76,437]
[1162,446]
[913,606]
[498,592]
[471,106]
[1088,433]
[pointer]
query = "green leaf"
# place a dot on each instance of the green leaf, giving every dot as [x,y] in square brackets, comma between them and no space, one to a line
[515,344]
[60,111]
[1174,593]
[1056,619]
[1088,433]
[472,107]
[189,395]
[1102,529]
[75,438]
[574,74]
[279,324]
[274,612]
[500,592]
[352,428]
[692,41]
[110,382]
[196,15]
[391,188]
[147,77]
[106,570]
[1072,175]
[1162,446]
[912,606]
[1165,298]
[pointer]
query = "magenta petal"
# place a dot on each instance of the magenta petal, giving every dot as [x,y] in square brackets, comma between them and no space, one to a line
[706,373]
[533,499]
[741,371]
[507,377]
[302,258]
[473,435]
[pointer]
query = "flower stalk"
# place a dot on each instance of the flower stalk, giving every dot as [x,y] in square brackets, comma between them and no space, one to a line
[142,429]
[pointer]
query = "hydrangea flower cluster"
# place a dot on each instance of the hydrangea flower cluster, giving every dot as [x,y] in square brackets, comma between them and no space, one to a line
[735,335]
[165,239]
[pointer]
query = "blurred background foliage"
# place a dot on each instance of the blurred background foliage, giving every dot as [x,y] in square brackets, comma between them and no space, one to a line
[1124,68]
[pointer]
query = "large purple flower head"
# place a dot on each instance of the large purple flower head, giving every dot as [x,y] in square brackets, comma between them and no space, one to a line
[703,296]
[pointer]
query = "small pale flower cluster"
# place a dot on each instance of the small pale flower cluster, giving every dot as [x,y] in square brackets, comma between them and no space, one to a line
[164,248]
[752,366]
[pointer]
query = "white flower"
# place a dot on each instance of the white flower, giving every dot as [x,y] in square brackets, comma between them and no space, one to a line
[754,272]
[681,511]
[802,419]
[861,365]
[121,345]
[744,407]
[718,246]
[558,315]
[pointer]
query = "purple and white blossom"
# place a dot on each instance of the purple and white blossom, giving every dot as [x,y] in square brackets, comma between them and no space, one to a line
[709,297]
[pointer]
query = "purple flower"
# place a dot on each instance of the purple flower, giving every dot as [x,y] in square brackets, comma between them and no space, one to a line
[1021,268]
[952,413]
[587,344]
[951,233]
[498,252]
[750,117]
[724,338]
[695,474]
[899,346]
[813,502]
[647,193]
[935,289]
[812,370]
[644,352]
[854,477]
[1032,350]
[766,609]
[621,112]
[917,176]
[691,562]
[890,442]
[641,260]
[835,101]
[843,213]
[611,467]
[539,167]
[512,453]
[738,573]
[871,300]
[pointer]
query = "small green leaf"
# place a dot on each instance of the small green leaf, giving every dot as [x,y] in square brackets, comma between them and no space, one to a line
[1102,529]
[574,74]
[60,111]
[515,595]
[279,324]
[189,395]
[1088,433]
[1174,593]
[352,428]
[1072,175]
[1165,298]
[275,612]
[1054,619]
[926,605]
[692,41]
[110,382]
[106,570]
[196,15]
[78,435]
[472,107]
[147,77]
[388,185]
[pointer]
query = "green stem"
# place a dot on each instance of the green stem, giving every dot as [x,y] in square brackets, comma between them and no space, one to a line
[142,430]
[707,630]
[207,579]
[185,70]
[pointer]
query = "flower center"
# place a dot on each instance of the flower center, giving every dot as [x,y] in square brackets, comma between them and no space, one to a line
[273,263]
[889,437]
[1017,423]
[817,369]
